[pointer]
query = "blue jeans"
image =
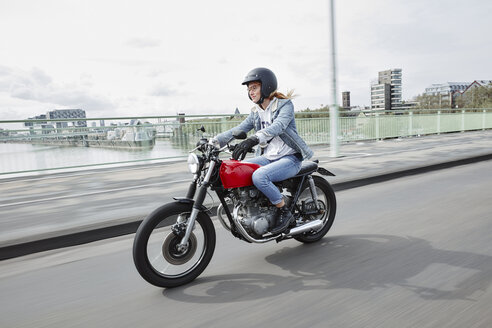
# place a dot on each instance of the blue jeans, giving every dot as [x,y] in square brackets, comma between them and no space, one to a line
[274,171]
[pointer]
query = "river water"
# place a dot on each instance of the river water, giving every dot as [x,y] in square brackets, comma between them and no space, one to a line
[18,157]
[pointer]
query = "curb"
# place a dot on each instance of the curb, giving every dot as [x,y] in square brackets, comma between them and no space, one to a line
[409,172]
[92,235]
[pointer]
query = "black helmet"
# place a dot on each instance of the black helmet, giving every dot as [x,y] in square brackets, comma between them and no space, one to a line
[266,77]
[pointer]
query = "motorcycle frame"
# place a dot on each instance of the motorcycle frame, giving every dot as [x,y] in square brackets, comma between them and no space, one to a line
[215,163]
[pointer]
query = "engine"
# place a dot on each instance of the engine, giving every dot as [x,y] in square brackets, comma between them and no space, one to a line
[254,211]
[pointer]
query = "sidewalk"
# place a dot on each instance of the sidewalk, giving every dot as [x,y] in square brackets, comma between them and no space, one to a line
[360,161]
[111,202]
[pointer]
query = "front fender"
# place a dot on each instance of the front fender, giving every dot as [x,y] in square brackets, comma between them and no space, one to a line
[184,200]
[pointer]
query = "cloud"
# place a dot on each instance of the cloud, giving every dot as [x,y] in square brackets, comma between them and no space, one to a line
[162,91]
[170,58]
[22,91]
[143,42]
[79,99]
[40,76]
[37,85]
[4,71]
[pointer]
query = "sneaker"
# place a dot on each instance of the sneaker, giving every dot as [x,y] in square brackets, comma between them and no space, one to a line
[284,219]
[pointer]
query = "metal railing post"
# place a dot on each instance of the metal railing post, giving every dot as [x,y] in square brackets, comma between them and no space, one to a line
[463,121]
[377,126]
[483,119]
[410,123]
[223,122]
[438,122]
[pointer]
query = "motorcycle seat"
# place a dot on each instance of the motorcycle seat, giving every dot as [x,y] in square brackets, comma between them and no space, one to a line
[307,167]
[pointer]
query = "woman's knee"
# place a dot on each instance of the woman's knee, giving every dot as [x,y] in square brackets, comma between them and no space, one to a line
[259,177]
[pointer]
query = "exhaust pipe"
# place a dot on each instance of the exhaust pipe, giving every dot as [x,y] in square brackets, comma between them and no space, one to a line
[222,217]
[313,225]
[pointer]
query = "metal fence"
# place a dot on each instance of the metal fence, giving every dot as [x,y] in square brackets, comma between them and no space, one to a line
[40,145]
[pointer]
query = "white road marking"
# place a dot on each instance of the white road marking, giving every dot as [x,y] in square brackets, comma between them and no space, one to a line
[92,193]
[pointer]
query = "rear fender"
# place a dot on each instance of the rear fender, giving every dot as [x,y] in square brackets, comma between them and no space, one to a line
[324,171]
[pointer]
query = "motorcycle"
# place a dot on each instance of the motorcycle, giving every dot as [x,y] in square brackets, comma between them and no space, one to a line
[175,243]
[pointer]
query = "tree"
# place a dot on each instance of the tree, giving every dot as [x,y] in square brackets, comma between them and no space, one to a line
[476,97]
[432,101]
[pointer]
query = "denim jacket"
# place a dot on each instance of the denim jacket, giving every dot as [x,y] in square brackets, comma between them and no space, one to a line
[283,125]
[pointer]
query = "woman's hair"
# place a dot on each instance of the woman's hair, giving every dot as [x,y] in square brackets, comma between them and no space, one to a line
[280,95]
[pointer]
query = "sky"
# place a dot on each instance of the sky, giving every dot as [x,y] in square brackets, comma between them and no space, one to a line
[158,57]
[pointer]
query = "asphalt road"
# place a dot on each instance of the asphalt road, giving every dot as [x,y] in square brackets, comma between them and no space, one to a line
[53,203]
[410,252]
[40,207]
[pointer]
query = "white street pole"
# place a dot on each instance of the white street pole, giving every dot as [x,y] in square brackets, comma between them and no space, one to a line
[333,103]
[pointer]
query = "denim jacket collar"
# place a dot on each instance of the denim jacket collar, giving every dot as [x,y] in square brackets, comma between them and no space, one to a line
[273,105]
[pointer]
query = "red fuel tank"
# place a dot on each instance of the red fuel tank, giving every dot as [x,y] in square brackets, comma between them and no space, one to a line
[235,174]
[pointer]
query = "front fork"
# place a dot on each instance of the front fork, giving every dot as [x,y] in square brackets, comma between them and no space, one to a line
[197,206]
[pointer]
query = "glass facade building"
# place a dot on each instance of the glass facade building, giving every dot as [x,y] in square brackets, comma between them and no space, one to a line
[386,93]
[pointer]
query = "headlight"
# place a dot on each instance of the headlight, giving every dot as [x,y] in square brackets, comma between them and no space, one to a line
[193,163]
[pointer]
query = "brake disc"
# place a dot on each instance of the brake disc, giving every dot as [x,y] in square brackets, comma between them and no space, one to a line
[170,249]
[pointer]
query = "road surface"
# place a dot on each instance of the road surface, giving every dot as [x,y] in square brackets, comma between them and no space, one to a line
[411,252]
[34,208]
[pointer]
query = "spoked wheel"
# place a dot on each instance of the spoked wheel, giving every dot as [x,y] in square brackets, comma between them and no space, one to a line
[326,203]
[157,253]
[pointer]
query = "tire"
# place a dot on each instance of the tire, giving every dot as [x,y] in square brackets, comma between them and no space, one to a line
[155,258]
[326,198]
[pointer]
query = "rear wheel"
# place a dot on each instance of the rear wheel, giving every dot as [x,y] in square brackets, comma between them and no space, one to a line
[326,203]
[156,252]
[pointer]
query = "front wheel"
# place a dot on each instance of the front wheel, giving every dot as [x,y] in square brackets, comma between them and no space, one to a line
[326,202]
[156,254]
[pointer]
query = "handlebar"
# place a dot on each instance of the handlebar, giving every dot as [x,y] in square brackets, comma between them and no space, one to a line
[232,147]
[204,146]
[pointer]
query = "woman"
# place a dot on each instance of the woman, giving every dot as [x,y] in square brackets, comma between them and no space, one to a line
[281,148]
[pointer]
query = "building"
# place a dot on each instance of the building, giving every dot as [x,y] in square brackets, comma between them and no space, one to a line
[386,92]
[449,91]
[67,114]
[41,126]
[32,124]
[478,83]
[346,99]
[381,96]
[64,114]
[409,105]
[445,88]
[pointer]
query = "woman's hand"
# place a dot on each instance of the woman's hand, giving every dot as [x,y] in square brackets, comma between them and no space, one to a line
[242,149]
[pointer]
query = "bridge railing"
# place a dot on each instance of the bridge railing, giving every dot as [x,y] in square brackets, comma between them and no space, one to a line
[39,145]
